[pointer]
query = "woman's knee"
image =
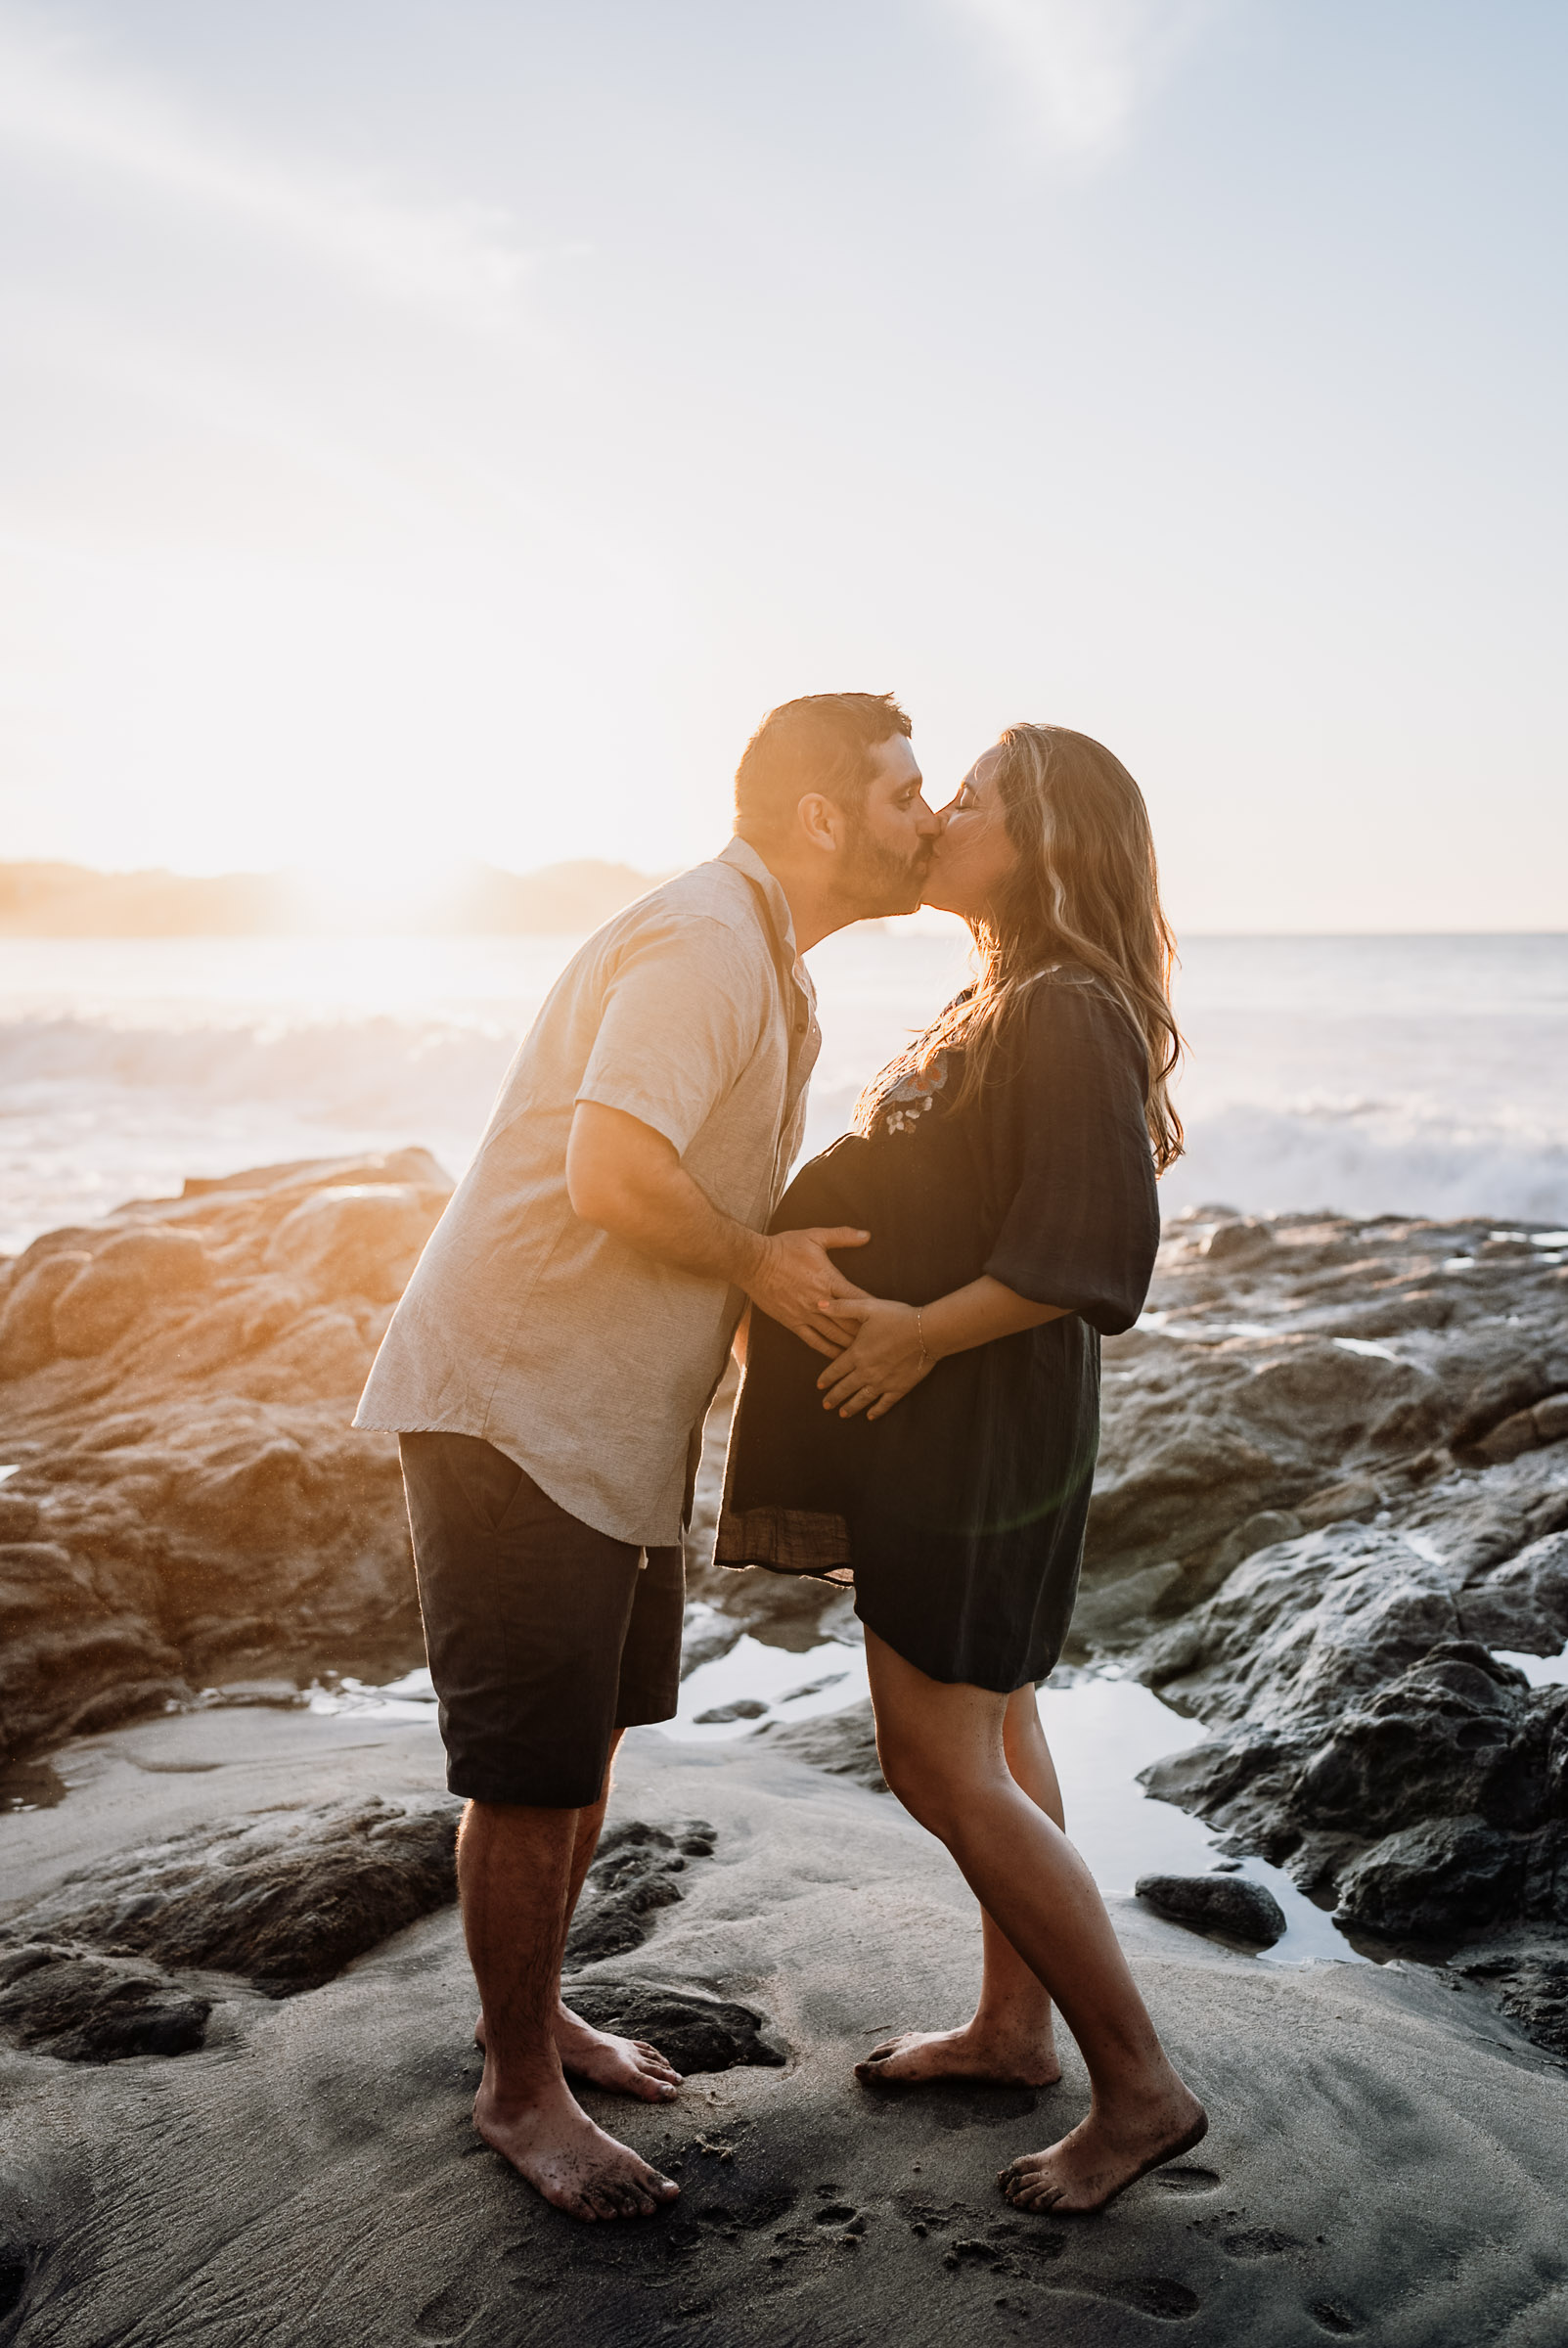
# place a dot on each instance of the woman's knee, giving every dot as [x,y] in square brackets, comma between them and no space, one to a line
[945,1793]
[919,1783]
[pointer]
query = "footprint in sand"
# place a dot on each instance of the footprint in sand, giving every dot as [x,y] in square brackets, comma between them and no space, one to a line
[1187,2179]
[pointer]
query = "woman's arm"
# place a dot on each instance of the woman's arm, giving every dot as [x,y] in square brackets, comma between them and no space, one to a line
[896,1344]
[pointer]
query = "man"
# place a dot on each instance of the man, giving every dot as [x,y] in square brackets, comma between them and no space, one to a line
[554,1356]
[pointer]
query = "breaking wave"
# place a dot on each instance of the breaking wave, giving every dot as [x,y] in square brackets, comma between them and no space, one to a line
[123,1072]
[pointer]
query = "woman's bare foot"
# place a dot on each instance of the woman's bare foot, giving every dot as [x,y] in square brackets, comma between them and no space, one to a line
[623,2066]
[555,2147]
[972,2053]
[1105,2153]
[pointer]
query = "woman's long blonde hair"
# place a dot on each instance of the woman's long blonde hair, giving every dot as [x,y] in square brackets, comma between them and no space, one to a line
[1085,890]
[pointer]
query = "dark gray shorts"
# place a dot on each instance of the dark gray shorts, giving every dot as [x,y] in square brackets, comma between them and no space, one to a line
[544,1636]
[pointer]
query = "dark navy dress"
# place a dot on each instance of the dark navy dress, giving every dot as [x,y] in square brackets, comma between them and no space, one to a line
[960,1515]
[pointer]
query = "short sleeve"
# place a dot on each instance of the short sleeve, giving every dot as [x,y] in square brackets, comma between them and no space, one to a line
[1083,1226]
[681,1020]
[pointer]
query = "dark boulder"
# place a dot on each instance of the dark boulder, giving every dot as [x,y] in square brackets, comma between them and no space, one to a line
[690,2029]
[844,1743]
[1434,1881]
[1227,1905]
[286,1899]
[84,2007]
[635,1873]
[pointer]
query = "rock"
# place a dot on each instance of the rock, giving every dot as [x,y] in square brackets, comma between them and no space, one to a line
[82,2008]
[1224,1904]
[356,1239]
[288,1899]
[114,1288]
[1345,1502]
[1261,1531]
[1434,1881]
[18,1516]
[1515,1435]
[844,1743]
[1530,1984]
[27,1323]
[1551,1419]
[180,1415]
[745,1707]
[695,2032]
[1456,1732]
[633,1875]
[1115,1614]
[1240,1241]
[1521,1605]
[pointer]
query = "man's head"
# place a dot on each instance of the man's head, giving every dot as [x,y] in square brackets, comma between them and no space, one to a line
[829,792]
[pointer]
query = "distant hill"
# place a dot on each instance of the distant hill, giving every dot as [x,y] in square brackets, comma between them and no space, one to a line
[71,900]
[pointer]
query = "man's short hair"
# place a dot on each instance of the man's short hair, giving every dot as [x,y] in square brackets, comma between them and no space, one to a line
[823,741]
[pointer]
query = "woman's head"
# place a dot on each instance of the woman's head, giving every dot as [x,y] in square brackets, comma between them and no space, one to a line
[1046,853]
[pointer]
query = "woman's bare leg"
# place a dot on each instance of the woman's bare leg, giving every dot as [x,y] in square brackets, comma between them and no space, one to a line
[1010,2038]
[943,1752]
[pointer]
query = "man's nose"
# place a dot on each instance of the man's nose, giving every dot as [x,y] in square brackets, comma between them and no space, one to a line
[931,823]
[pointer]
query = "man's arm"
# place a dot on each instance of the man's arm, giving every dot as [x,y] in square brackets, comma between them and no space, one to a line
[629,1180]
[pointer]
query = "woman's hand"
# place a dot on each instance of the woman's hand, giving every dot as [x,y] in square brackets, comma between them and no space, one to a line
[883,1359]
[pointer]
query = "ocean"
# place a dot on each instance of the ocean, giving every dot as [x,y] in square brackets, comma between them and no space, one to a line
[1371,1075]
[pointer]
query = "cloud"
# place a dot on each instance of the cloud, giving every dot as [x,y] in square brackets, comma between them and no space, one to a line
[1086,65]
[61,105]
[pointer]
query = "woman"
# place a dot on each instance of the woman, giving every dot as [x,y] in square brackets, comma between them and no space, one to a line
[1004,1167]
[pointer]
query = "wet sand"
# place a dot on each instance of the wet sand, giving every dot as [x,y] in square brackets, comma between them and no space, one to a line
[1384,2160]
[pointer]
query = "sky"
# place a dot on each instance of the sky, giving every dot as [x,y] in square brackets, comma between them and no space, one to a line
[439,429]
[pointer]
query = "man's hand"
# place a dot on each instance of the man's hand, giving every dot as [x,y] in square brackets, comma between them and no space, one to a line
[629,1180]
[793,1280]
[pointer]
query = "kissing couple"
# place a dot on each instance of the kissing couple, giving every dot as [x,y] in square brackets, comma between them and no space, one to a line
[919,1314]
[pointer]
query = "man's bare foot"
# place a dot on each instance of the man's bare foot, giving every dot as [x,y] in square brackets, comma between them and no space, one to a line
[623,2066]
[626,2066]
[1105,2153]
[968,2054]
[555,2147]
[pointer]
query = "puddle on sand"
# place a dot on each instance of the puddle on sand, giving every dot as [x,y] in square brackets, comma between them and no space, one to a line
[412,1697]
[1101,1732]
[29,1785]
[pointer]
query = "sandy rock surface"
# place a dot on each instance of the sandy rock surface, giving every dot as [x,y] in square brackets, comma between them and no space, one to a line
[1333,1486]
[175,1390]
[1384,2159]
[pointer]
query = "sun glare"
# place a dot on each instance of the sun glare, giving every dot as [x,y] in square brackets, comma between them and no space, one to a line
[378,889]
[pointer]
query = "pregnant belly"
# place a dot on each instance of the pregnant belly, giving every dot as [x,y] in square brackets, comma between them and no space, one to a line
[924,1242]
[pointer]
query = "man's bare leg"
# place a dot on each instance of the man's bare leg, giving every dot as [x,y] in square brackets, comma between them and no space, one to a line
[514,1873]
[624,2067]
[1010,2038]
[942,1750]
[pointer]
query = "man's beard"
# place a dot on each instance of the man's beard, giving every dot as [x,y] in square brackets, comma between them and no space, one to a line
[877,879]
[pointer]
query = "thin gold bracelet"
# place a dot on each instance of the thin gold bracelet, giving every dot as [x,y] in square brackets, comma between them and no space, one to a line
[919,1332]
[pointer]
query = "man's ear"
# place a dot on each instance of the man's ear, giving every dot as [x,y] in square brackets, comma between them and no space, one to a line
[821,821]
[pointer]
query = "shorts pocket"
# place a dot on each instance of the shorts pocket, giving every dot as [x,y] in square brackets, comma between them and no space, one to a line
[490,1481]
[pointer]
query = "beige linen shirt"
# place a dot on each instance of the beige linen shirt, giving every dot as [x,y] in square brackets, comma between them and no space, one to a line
[589,1365]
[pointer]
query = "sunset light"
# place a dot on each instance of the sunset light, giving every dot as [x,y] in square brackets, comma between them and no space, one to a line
[784,1174]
